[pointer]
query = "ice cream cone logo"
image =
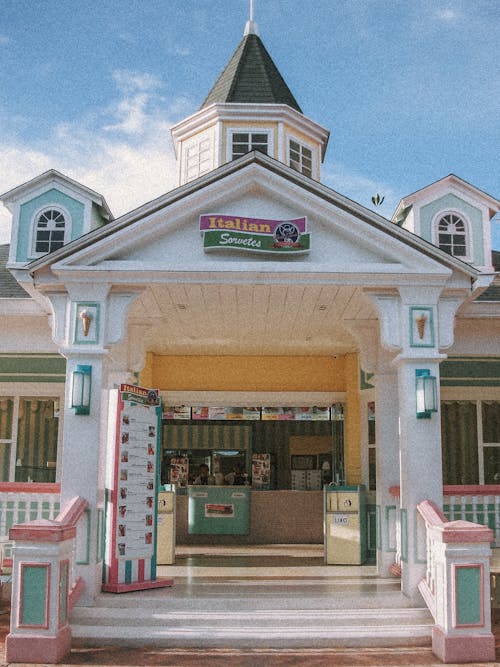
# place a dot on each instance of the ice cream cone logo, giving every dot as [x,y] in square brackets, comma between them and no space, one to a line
[86,319]
[421,321]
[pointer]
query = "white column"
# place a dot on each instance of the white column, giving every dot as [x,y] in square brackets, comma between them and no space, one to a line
[83,464]
[387,438]
[88,321]
[415,323]
[421,469]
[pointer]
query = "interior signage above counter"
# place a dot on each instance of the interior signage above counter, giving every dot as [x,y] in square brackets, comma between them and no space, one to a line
[253,413]
[255,234]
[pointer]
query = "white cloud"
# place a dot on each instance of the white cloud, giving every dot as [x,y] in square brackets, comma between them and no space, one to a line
[447,15]
[124,151]
[129,81]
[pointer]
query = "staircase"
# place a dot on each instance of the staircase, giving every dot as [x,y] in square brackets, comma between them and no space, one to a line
[271,612]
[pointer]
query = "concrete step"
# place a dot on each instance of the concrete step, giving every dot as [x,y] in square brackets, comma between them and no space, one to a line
[256,614]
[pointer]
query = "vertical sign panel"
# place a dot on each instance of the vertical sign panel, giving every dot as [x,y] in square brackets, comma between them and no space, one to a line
[132,485]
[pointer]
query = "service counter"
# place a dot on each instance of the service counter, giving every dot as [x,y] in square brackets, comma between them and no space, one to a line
[276,517]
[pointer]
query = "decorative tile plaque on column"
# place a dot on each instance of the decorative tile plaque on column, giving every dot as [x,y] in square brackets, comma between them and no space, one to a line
[421,326]
[86,323]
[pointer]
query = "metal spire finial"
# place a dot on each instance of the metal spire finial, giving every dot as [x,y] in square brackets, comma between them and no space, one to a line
[251,27]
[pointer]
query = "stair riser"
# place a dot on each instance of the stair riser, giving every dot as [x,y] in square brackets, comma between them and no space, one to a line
[279,641]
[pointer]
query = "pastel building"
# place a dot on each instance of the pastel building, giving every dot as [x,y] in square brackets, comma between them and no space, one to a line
[254,285]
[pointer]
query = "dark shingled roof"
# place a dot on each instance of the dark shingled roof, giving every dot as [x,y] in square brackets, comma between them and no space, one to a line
[9,287]
[251,77]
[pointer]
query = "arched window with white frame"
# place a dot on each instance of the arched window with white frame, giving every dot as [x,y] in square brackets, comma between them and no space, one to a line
[50,230]
[451,234]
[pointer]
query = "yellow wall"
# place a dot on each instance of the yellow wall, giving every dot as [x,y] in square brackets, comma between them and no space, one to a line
[227,373]
[352,448]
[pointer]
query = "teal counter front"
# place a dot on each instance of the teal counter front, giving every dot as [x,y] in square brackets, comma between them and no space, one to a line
[219,510]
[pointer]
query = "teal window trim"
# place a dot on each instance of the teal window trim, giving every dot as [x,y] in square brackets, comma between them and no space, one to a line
[86,560]
[388,510]
[63,592]
[404,534]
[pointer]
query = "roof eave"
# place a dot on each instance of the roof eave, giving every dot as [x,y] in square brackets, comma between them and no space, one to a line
[277,167]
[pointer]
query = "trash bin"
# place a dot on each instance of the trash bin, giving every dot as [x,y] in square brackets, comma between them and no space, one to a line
[165,545]
[345,525]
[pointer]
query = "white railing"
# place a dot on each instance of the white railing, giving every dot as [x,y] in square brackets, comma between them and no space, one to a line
[21,502]
[474,503]
[479,504]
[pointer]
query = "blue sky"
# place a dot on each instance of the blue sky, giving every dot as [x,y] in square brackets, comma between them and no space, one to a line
[410,90]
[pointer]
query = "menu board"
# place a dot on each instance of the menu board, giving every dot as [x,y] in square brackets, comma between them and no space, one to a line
[135,421]
[242,414]
[296,414]
[138,447]
[177,412]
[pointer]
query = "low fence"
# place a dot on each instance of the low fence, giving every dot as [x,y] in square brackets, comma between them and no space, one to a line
[21,502]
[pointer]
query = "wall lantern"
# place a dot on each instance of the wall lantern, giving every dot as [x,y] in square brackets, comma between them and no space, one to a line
[426,393]
[80,390]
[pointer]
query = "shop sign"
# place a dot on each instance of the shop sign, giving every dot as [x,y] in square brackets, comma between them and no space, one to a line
[255,234]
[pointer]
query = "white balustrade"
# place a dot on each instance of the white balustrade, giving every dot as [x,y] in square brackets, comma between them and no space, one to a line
[21,502]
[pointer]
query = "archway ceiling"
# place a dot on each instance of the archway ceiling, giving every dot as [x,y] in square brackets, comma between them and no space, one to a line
[243,319]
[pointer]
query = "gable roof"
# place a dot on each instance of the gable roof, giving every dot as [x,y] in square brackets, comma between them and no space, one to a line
[55,177]
[257,160]
[451,180]
[251,77]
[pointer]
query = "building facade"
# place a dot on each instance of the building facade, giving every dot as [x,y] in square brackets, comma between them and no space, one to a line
[254,285]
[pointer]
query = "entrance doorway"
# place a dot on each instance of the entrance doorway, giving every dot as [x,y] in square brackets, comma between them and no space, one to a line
[299,449]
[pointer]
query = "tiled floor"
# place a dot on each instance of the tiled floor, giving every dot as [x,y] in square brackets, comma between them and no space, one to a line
[205,562]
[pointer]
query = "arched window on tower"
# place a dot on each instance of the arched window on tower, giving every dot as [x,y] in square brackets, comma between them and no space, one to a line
[50,231]
[452,235]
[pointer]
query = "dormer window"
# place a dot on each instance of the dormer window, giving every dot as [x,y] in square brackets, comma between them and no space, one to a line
[244,142]
[51,228]
[452,235]
[300,158]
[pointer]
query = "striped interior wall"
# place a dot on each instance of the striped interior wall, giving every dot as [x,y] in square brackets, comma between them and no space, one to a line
[36,440]
[6,412]
[270,437]
[459,442]
[206,436]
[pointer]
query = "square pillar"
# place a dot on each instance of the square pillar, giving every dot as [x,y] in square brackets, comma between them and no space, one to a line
[421,469]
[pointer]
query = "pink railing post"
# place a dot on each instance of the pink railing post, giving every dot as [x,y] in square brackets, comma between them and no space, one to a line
[42,587]
[457,587]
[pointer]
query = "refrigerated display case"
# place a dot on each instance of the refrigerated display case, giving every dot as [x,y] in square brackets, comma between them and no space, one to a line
[165,545]
[345,525]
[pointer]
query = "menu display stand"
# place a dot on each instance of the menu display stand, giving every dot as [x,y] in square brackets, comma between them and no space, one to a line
[132,490]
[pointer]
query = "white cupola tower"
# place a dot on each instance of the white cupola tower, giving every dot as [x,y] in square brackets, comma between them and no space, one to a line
[249,108]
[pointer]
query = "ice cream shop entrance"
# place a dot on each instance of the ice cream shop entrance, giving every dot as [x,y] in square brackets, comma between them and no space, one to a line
[251,475]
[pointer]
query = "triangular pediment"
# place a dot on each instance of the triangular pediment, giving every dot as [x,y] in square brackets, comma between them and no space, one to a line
[241,302]
[347,241]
